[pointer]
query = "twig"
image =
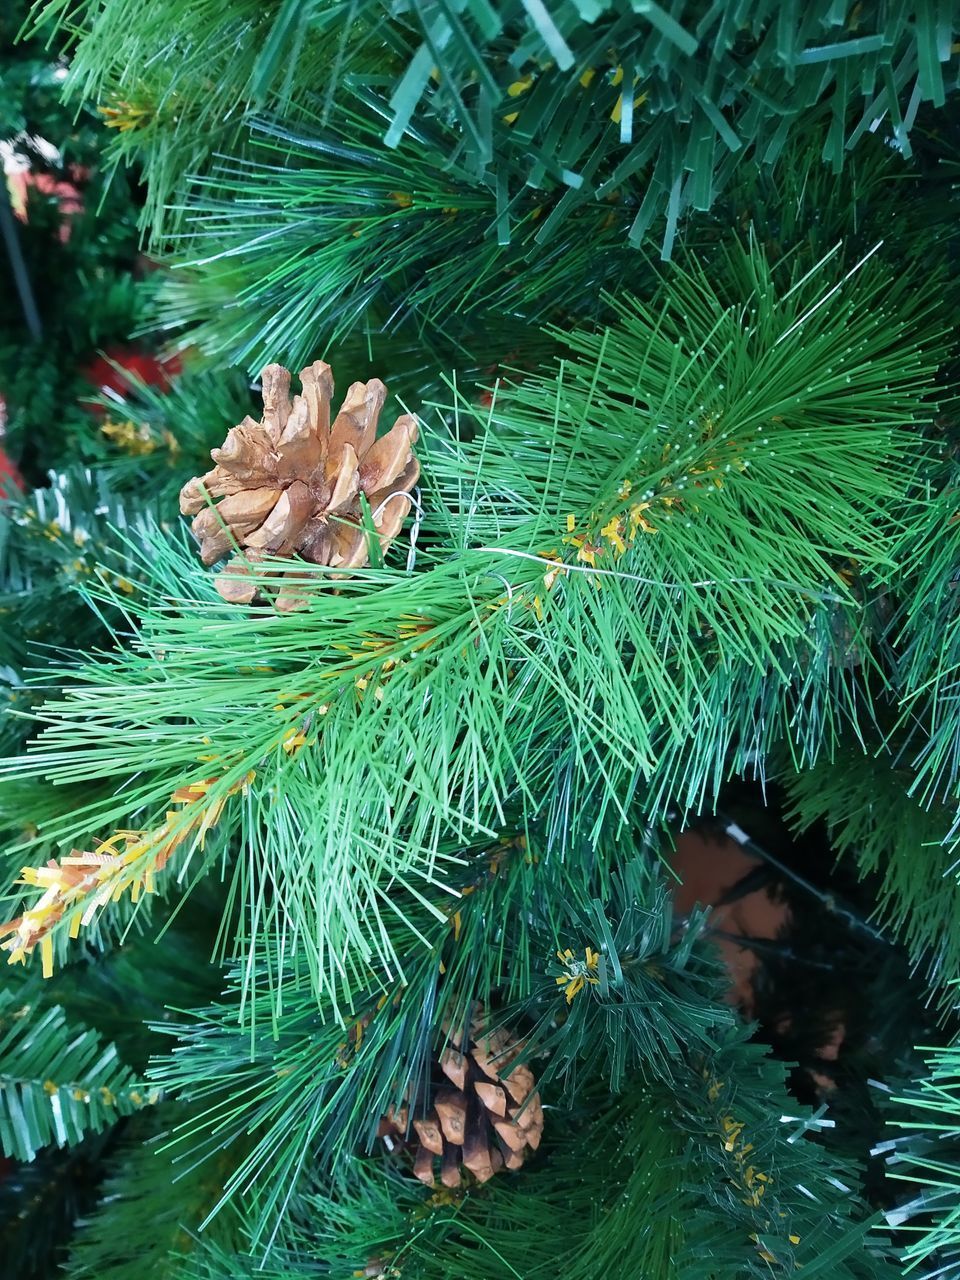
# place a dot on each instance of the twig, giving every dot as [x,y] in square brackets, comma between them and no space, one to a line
[8,229]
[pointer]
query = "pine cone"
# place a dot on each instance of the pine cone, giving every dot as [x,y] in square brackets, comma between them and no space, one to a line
[484,1122]
[290,485]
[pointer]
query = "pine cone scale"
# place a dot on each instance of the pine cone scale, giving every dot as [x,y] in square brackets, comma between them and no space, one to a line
[286,521]
[275,384]
[219,528]
[453,1064]
[317,384]
[342,479]
[300,454]
[384,461]
[492,1097]
[509,1132]
[449,1169]
[246,454]
[430,1133]
[348,547]
[451,1107]
[356,423]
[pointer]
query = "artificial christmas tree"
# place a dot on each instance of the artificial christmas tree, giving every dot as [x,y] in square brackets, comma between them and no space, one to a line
[345,838]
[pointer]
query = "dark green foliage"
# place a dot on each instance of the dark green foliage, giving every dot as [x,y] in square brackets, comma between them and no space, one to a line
[342,246]
[471,220]
[134,981]
[311,1091]
[155,438]
[699,522]
[182,79]
[57,1084]
[745,437]
[54,539]
[151,1209]
[665,1170]
[346,242]
[60,1080]
[927,633]
[579,100]
[923,1153]
[651,1182]
[40,1203]
[87,300]
[32,76]
[52,544]
[873,817]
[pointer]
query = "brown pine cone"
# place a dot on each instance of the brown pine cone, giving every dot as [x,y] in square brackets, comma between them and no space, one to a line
[291,484]
[478,1118]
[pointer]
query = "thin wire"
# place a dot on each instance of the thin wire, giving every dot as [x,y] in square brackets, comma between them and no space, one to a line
[414,499]
[829,900]
[656,582]
[500,578]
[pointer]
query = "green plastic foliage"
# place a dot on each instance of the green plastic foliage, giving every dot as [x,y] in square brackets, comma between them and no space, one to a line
[717,1179]
[873,817]
[175,80]
[57,1083]
[41,1202]
[925,1156]
[310,1091]
[393,262]
[52,541]
[124,1166]
[683,94]
[629,580]
[155,438]
[657,561]
[78,244]
[146,1224]
[927,632]
[648,998]
[582,99]
[689,1162]
[395,250]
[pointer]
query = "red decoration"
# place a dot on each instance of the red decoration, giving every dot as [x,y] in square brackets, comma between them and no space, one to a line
[10,477]
[102,373]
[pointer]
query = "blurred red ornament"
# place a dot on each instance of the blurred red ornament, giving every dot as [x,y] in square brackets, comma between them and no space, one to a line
[10,477]
[103,372]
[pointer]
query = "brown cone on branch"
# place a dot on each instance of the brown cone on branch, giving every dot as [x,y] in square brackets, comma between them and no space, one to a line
[292,484]
[479,1118]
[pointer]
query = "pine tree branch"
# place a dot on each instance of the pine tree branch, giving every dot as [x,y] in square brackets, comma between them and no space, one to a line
[866,800]
[578,105]
[924,1157]
[57,1085]
[669,513]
